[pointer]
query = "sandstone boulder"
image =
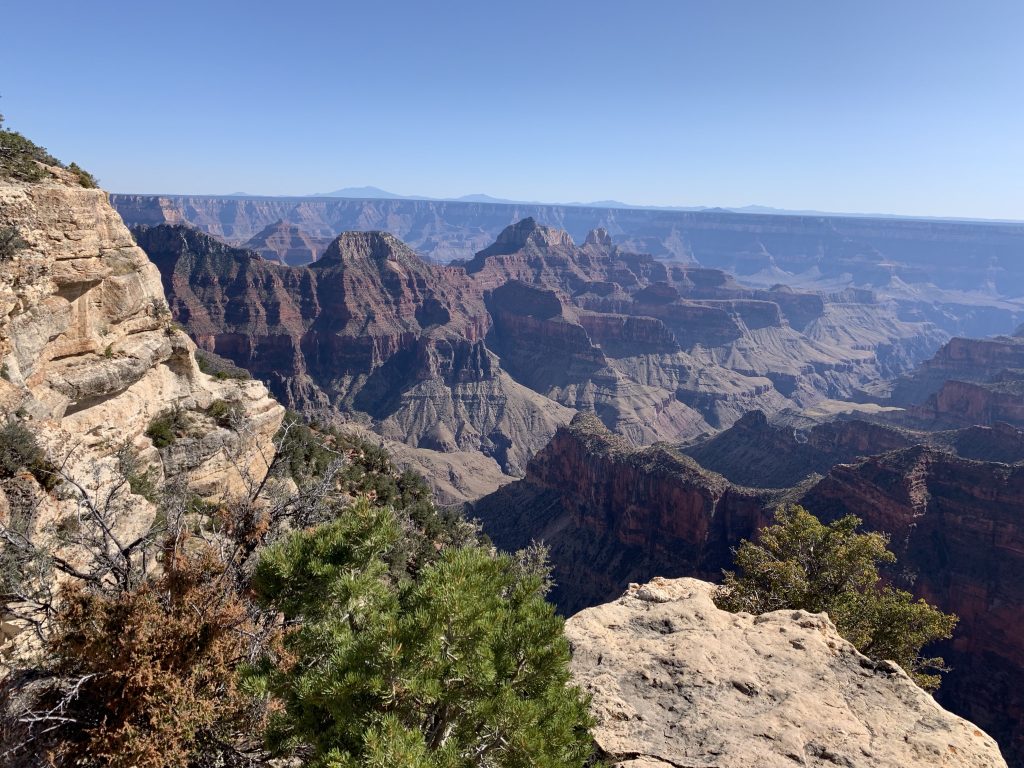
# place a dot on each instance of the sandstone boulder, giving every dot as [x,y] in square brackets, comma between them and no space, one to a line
[677,682]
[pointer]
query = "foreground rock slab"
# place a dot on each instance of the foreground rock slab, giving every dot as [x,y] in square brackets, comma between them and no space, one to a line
[677,682]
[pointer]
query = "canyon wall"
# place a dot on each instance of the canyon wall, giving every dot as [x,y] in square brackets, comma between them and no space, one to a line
[491,355]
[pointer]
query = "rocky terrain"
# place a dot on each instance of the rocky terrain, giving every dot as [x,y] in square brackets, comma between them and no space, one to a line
[89,354]
[677,682]
[370,331]
[287,244]
[489,356]
[965,277]
[466,371]
[90,361]
[956,527]
[951,502]
[612,514]
[757,452]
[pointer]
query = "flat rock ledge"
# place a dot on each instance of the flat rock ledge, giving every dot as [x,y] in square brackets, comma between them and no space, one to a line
[678,683]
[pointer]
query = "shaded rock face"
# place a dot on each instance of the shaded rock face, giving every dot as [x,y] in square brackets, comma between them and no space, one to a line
[612,514]
[757,453]
[677,682]
[968,360]
[89,353]
[956,528]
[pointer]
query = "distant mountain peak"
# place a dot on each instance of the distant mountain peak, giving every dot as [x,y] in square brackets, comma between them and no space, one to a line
[524,232]
[362,192]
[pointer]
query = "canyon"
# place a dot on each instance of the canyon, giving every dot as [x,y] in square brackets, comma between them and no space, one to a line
[639,416]
[656,411]
[949,499]
[964,276]
[489,356]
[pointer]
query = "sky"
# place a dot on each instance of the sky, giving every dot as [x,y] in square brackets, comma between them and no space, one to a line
[911,107]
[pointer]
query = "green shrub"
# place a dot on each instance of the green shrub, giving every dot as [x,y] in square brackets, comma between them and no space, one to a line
[141,480]
[19,450]
[85,178]
[218,367]
[10,242]
[164,429]
[801,563]
[20,159]
[225,413]
[464,661]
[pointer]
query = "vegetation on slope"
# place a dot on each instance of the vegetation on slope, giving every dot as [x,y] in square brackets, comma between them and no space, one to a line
[347,620]
[23,160]
[800,563]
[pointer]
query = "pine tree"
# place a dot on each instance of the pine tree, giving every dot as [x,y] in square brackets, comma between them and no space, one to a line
[464,665]
[801,563]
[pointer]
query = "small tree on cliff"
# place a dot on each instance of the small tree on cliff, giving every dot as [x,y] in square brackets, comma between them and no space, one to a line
[801,563]
[463,664]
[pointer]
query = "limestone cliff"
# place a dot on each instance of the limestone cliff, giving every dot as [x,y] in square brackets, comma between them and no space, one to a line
[89,355]
[677,682]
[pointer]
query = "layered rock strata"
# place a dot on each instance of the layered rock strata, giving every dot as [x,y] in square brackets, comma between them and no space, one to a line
[956,528]
[612,514]
[492,355]
[89,353]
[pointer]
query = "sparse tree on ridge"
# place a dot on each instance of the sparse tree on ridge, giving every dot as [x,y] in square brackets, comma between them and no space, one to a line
[799,562]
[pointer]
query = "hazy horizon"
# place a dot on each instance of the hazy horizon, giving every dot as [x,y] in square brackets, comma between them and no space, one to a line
[877,109]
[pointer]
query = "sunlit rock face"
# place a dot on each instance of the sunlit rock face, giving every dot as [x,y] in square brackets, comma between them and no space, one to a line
[675,681]
[90,353]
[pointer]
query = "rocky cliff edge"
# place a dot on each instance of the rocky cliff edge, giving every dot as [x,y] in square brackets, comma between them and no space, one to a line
[677,682]
[89,356]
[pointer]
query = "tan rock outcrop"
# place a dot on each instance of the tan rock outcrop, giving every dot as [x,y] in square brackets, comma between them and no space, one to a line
[677,682]
[89,355]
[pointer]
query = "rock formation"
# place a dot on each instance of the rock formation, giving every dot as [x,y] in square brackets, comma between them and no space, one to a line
[369,331]
[287,244]
[612,514]
[89,354]
[677,682]
[956,528]
[492,355]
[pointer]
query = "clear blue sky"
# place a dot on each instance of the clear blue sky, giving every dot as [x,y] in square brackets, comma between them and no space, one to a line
[896,106]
